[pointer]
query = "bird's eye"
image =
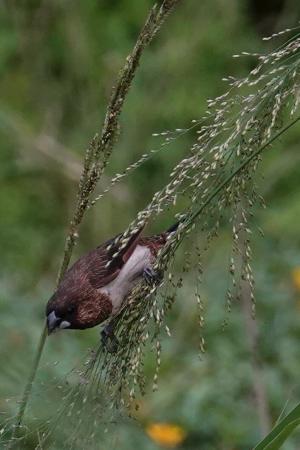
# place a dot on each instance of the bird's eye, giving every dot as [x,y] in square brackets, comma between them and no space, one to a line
[71,308]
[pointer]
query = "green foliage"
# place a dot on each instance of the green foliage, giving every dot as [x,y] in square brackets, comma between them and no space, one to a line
[57,64]
[281,432]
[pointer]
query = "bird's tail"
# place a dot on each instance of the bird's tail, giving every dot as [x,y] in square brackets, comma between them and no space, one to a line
[176,225]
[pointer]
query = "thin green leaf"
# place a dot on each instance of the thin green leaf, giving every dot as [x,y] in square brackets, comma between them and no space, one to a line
[281,432]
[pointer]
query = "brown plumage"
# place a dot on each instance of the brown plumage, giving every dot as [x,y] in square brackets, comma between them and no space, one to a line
[94,288]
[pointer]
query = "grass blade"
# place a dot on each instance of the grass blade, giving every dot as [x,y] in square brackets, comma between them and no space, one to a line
[281,432]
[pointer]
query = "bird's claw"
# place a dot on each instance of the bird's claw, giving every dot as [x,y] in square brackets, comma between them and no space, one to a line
[152,276]
[109,340]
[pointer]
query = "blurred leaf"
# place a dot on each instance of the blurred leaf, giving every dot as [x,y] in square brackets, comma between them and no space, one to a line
[281,432]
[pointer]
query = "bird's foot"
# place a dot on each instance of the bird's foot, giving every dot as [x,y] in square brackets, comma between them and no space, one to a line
[108,339]
[152,276]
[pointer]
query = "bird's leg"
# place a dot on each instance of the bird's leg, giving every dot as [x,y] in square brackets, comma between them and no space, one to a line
[108,338]
[152,276]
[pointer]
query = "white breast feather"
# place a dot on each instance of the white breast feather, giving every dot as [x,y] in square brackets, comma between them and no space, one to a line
[132,270]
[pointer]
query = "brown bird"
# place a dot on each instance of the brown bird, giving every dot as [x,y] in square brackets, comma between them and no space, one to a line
[94,288]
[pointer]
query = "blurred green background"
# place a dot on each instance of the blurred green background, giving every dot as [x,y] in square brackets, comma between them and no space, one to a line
[58,60]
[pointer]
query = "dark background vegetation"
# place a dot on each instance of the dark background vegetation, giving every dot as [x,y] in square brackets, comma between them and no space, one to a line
[58,60]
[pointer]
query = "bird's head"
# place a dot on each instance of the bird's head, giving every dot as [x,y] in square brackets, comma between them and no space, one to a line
[74,308]
[61,313]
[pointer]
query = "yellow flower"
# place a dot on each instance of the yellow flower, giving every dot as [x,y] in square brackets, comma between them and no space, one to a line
[296,278]
[167,435]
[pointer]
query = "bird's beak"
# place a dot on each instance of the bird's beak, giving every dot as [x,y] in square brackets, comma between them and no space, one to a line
[55,323]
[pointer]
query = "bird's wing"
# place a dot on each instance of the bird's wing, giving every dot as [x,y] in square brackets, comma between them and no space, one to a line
[105,262]
[154,243]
